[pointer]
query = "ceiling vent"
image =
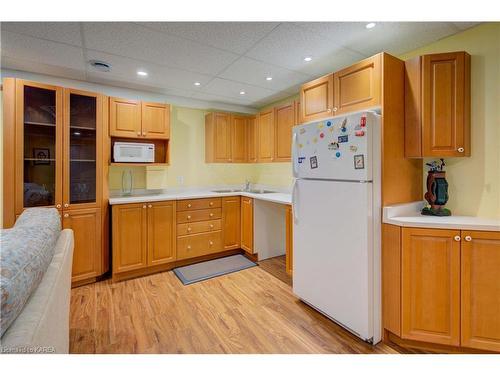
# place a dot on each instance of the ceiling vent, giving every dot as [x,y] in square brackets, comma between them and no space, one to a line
[101,66]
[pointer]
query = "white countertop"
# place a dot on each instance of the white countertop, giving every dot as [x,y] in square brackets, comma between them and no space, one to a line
[178,194]
[408,215]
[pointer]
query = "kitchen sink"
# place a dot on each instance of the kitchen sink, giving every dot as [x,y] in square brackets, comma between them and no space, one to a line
[260,191]
[227,191]
[254,191]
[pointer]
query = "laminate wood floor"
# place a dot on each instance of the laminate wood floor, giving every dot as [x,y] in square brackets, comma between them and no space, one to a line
[249,311]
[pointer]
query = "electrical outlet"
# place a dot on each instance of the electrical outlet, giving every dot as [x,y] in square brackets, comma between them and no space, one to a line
[180,180]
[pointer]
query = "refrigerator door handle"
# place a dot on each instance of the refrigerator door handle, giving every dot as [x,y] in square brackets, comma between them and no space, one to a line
[295,206]
[294,154]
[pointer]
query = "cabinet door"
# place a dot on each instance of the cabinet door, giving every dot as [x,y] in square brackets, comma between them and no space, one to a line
[289,240]
[82,185]
[316,99]
[129,237]
[239,139]
[446,105]
[231,222]
[431,285]
[124,118]
[161,233]
[86,226]
[38,146]
[222,137]
[265,142]
[252,140]
[284,123]
[155,120]
[247,224]
[481,290]
[358,86]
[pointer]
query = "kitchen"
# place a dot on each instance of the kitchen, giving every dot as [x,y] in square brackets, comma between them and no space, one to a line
[326,183]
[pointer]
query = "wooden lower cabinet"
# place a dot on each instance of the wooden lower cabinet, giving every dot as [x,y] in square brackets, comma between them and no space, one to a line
[289,240]
[161,233]
[86,225]
[431,285]
[480,287]
[247,224]
[231,222]
[197,245]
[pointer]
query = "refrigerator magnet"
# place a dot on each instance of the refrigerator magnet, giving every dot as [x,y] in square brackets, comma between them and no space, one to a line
[314,162]
[343,138]
[353,148]
[301,159]
[302,131]
[359,162]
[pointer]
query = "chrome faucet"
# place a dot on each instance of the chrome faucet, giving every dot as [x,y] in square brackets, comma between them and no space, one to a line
[247,184]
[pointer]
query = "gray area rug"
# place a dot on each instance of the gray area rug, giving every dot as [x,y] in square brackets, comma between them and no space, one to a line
[212,268]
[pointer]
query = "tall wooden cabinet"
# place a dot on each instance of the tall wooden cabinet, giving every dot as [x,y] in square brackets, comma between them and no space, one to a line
[284,122]
[57,160]
[252,139]
[437,105]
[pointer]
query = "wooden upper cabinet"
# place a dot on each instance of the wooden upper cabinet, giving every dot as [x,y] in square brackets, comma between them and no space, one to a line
[252,139]
[359,86]
[284,118]
[430,271]
[247,224]
[218,138]
[437,105]
[161,233]
[125,118]
[316,99]
[239,138]
[265,142]
[480,288]
[231,222]
[155,120]
[129,237]
[86,226]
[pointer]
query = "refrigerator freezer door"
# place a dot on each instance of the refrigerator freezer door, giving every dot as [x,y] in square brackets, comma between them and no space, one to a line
[333,251]
[335,149]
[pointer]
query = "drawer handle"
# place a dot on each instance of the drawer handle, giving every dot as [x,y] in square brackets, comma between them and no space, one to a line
[189,205]
[335,109]
[189,217]
[143,133]
[210,243]
[211,203]
[328,109]
[468,238]
[58,206]
[66,215]
[189,229]
[189,247]
[211,214]
[211,226]
[138,133]
[66,205]
[457,238]
[460,149]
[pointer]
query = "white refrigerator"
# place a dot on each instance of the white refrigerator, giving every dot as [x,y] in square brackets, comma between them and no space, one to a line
[336,223]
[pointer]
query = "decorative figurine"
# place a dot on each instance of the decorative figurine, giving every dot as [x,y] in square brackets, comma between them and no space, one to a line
[437,190]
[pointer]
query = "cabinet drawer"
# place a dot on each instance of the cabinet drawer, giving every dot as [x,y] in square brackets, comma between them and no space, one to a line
[198,204]
[199,215]
[198,227]
[199,244]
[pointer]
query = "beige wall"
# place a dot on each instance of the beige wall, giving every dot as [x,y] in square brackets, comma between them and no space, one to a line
[474,182]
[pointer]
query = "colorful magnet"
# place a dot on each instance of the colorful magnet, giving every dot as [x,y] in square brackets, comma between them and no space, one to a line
[363,121]
[343,138]
[322,135]
[359,162]
[333,146]
[353,148]
[328,123]
[337,154]
[301,159]
[331,130]
[302,131]
[359,133]
[313,160]
[343,127]
[315,140]
[320,125]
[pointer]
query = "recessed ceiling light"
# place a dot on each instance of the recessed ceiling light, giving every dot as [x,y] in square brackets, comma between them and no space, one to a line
[142,73]
[242,92]
[370,25]
[269,78]
[308,58]
[197,83]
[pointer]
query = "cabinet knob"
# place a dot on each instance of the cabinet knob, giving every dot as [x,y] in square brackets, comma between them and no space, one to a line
[144,206]
[189,247]
[189,229]
[457,238]
[468,238]
[210,243]
[58,206]
[211,214]
[328,109]
[211,204]
[143,133]
[66,215]
[460,149]
[150,205]
[189,217]
[66,205]
[189,205]
[335,109]
[138,133]
[211,226]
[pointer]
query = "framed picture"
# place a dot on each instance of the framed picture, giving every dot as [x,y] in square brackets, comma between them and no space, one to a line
[41,156]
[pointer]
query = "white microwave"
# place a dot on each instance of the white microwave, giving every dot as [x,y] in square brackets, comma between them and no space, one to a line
[131,152]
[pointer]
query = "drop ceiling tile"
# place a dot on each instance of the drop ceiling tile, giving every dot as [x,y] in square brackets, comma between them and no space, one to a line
[135,41]
[231,89]
[236,37]
[63,32]
[40,51]
[37,67]
[254,72]
[288,44]
[220,98]
[125,70]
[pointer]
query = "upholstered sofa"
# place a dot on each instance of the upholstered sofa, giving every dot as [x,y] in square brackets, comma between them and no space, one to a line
[42,326]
